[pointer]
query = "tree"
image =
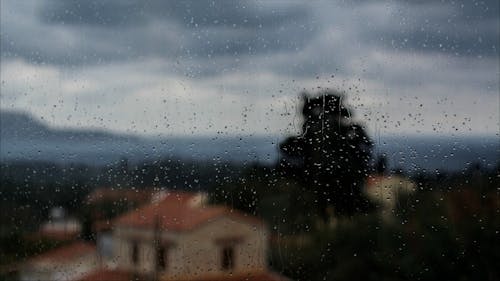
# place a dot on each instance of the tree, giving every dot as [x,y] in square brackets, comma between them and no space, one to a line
[331,157]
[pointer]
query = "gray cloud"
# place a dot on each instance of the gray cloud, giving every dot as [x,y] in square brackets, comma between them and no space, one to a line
[133,55]
[77,33]
[463,28]
[120,30]
[191,13]
[94,13]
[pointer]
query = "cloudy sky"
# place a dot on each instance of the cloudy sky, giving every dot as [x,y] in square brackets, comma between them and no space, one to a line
[237,68]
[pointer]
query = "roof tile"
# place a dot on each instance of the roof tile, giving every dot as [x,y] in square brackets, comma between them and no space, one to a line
[175,213]
[65,253]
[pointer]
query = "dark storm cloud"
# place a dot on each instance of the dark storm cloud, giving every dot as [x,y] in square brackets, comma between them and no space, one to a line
[190,13]
[213,37]
[234,14]
[132,55]
[107,31]
[105,13]
[467,9]
[463,27]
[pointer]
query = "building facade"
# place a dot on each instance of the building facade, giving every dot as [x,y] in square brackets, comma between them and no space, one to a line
[179,238]
[176,236]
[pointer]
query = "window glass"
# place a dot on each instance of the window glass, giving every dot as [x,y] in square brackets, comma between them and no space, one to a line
[315,140]
[134,253]
[227,258]
[161,258]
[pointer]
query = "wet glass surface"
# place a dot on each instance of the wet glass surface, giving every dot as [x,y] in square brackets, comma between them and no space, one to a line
[239,140]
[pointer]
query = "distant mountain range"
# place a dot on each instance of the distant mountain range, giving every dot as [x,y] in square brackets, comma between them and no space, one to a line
[18,126]
[22,138]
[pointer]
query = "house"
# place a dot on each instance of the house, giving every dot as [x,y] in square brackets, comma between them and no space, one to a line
[117,275]
[177,236]
[60,226]
[180,238]
[61,264]
[105,203]
[384,191]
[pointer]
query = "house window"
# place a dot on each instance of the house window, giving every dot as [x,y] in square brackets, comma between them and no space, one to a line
[135,252]
[161,258]
[227,262]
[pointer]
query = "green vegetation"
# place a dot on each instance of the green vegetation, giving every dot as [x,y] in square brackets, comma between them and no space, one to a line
[331,156]
[436,234]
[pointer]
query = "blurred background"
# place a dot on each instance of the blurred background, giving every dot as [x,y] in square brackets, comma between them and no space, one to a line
[364,133]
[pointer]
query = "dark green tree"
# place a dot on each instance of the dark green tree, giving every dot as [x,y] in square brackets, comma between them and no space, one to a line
[331,157]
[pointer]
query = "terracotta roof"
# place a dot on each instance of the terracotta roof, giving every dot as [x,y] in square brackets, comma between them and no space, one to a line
[373,180]
[116,194]
[175,213]
[117,275]
[59,234]
[251,276]
[108,275]
[65,253]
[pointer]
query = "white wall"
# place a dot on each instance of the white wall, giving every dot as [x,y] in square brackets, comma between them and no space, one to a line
[196,252]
